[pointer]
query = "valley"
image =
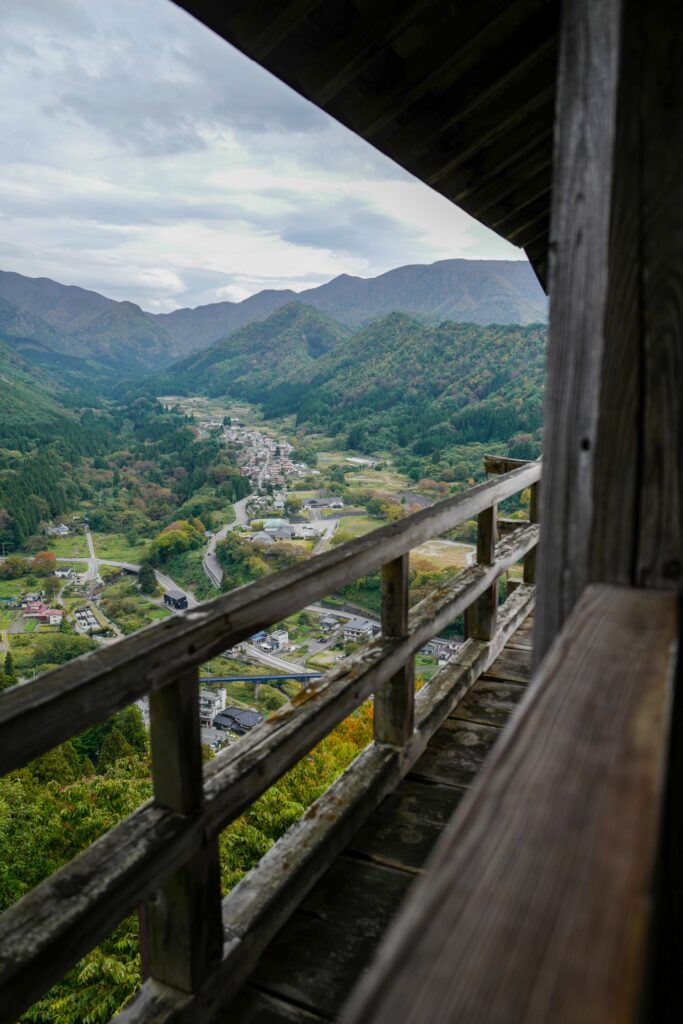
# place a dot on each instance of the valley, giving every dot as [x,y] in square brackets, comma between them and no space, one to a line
[148,464]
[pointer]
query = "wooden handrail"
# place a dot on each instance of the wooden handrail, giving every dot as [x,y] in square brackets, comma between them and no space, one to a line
[170,844]
[536,903]
[36,716]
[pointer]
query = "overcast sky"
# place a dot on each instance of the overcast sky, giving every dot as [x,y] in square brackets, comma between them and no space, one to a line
[144,157]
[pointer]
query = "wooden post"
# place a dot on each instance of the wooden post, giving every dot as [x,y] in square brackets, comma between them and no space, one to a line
[613,464]
[394,703]
[480,617]
[184,932]
[530,559]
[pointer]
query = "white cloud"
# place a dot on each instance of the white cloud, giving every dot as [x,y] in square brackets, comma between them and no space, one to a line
[145,158]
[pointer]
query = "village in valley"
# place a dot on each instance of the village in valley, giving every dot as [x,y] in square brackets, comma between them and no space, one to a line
[74,592]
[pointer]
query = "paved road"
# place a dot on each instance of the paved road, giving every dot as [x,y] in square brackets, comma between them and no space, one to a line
[165,582]
[271,659]
[212,567]
[93,568]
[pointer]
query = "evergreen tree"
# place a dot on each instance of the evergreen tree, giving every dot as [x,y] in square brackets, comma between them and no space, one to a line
[115,748]
[147,581]
[9,666]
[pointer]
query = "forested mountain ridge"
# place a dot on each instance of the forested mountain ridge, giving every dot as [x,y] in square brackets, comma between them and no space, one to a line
[398,383]
[83,324]
[402,384]
[472,291]
[42,318]
[285,346]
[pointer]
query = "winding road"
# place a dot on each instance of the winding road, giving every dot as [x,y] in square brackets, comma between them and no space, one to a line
[212,567]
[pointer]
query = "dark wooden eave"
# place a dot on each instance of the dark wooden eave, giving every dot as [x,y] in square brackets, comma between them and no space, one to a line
[460,93]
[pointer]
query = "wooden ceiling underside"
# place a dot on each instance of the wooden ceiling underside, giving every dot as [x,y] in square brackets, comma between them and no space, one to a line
[459,92]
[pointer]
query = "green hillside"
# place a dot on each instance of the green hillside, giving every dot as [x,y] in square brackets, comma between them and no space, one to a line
[398,384]
[288,345]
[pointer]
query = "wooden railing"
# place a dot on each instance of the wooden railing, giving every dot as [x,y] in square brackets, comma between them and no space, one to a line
[165,855]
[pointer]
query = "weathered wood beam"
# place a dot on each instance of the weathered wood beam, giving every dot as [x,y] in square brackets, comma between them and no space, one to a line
[49,929]
[36,716]
[181,928]
[239,775]
[474,30]
[378,26]
[588,81]
[393,717]
[530,559]
[482,85]
[260,904]
[464,144]
[502,464]
[527,213]
[480,617]
[615,372]
[541,887]
[260,24]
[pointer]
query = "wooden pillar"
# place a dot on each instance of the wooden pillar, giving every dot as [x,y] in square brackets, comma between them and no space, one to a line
[182,927]
[612,495]
[480,617]
[394,703]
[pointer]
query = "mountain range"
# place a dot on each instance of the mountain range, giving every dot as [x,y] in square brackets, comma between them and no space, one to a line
[398,382]
[89,337]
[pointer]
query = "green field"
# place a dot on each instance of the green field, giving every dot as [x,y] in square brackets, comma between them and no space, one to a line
[73,546]
[115,547]
[354,526]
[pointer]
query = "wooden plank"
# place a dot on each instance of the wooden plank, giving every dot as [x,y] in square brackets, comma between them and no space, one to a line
[181,929]
[36,716]
[588,81]
[315,964]
[513,666]
[255,1007]
[405,826]
[358,896]
[456,753]
[490,703]
[499,464]
[480,617]
[260,904]
[541,887]
[395,701]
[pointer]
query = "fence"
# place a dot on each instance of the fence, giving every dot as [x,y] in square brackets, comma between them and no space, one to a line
[165,855]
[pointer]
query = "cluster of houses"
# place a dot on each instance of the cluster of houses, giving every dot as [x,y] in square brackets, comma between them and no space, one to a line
[333,502]
[357,630]
[273,530]
[215,712]
[58,530]
[278,640]
[33,607]
[263,459]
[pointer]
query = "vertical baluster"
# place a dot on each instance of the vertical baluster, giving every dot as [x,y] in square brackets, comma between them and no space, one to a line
[394,703]
[183,937]
[530,559]
[480,618]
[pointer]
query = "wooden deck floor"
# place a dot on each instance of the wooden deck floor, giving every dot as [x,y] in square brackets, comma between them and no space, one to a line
[308,970]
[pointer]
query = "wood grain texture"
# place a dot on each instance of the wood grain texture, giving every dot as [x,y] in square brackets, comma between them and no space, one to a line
[47,931]
[262,902]
[480,617]
[36,716]
[588,80]
[536,903]
[181,929]
[395,701]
